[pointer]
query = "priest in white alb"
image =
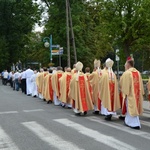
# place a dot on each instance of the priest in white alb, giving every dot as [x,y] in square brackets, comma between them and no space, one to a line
[64,88]
[56,85]
[79,92]
[94,81]
[40,82]
[34,86]
[132,89]
[28,74]
[108,91]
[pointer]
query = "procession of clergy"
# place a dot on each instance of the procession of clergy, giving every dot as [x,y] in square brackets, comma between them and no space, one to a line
[98,91]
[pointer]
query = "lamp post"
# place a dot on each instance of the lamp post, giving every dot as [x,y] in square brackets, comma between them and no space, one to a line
[48,45]
[117,59]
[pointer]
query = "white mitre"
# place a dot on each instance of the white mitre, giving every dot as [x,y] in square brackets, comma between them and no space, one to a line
[79,67]
[97,63]
[109,64]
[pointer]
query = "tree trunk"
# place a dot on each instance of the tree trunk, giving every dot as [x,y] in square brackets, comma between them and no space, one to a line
[67,32]
[72,34]
[126,48]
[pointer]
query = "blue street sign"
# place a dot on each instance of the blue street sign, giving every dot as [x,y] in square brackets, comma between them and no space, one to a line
[55,46]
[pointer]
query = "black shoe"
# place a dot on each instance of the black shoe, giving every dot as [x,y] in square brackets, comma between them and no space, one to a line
[28,94]
[49,102]
[122,118]
[96,112]
[69,107]
[44,100]
[78,114]
[63,106]
[108,117]
[85,113]
[34,96]
[136,128]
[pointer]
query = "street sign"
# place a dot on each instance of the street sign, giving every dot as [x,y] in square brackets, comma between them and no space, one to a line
[61,50]
[58,52]
[55,51]
[117,57]
[55,46]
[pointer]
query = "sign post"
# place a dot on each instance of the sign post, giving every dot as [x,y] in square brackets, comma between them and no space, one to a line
[57,51]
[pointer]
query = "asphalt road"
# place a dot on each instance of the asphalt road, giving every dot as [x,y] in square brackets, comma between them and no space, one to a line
[28,123]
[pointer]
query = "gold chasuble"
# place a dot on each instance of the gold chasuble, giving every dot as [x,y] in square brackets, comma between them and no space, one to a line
[73,71]
[40,82]
[132,89]
[64,87]
[148,88]
[43,82]
[48,93]
[80,94]
[109,93]
[55,82]
[94,81]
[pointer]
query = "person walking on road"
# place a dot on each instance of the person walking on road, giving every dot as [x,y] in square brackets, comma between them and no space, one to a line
[133,91]
[5,77]
[28,74]
[16,80]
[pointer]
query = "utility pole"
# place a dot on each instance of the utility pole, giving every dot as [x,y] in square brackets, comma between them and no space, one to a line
[72,34]
[67,32]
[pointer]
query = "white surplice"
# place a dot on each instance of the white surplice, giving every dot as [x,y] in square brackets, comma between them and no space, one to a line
[28,74]
[34,86]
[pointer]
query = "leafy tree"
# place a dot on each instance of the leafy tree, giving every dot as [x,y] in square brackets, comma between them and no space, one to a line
[90,42]
[17,20]
[127,21]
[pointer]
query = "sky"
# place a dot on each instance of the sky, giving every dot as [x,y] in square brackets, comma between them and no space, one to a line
[38,28]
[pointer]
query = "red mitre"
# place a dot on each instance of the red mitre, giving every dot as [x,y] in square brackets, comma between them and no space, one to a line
[129,58]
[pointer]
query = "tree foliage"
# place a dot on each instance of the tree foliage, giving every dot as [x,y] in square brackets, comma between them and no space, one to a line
[17,20]
[100,27]
[128,21]
[90,42]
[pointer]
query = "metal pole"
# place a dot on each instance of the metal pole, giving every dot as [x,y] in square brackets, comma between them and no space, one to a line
[51,58]
[118,69]
[59,60]
[59,57]
[72,34]
[67,32]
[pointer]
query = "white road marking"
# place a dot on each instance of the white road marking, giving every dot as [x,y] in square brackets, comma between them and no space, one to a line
[73,116]
[147,111]
[145,123]
[120,127]
[146,115]
[8,112]
[5,141]
[33,110]
[97,136]
[49,137]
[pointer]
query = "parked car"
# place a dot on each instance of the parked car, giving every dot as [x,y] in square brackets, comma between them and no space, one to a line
[146,72]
